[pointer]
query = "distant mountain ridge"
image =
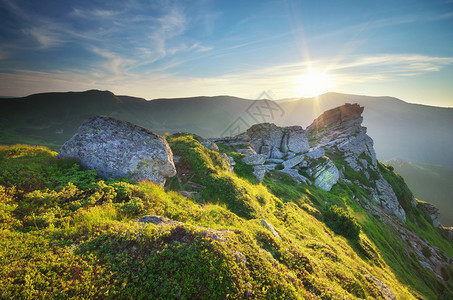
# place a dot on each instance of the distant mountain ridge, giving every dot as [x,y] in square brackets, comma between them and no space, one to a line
[413,132]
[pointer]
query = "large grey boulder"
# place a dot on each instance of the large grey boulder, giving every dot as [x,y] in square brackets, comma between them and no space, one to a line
[118,148]
[325,173]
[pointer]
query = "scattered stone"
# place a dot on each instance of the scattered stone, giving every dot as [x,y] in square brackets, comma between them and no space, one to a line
[293,161]
[157,220]
[325,174]
[257,159]
[210,145]
[315,154]
[118,148]
[271,228]
[231,161]
[240,258]
[259,171]
[290,155]
[247,151]
[214,235]
[187,194]
[195,186]
[386,291]
[271,167]
[296,176]
[275,160]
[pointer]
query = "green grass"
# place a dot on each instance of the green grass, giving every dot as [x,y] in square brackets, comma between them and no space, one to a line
[69,234]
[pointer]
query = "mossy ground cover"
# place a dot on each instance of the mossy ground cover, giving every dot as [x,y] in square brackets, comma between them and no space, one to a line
[65,233]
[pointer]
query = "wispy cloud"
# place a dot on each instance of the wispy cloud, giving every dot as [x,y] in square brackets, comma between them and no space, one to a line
[95,14]
[45,37]
[113,63]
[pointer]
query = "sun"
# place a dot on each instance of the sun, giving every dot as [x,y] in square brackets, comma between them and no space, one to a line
[314,83]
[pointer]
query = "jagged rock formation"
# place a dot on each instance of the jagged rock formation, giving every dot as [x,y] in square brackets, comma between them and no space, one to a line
[340,132]
[118,148]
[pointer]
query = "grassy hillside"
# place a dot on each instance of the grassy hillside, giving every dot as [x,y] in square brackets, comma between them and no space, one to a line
[430,183]
[65,233]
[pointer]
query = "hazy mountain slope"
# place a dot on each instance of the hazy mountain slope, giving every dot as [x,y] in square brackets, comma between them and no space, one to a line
[207,116]
[430,183]
[52,118]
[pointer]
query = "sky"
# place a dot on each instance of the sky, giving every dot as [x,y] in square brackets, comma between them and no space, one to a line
[289,49]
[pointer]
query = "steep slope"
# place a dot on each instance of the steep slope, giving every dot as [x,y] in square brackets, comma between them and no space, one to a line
[430,183]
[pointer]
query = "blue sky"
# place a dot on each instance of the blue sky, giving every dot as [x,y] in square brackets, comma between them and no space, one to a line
[154,49]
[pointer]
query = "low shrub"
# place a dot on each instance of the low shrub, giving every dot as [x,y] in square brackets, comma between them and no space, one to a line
[341,222]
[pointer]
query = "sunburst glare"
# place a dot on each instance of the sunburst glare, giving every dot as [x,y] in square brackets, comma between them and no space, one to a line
[314,83]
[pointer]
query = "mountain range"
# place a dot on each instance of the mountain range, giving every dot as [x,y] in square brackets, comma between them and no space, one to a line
[412,132]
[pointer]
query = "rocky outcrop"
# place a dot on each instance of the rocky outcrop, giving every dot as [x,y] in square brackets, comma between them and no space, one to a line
[341,129]
[308,156]
[118,148]
[432,211]
[275,142]
[340,132]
